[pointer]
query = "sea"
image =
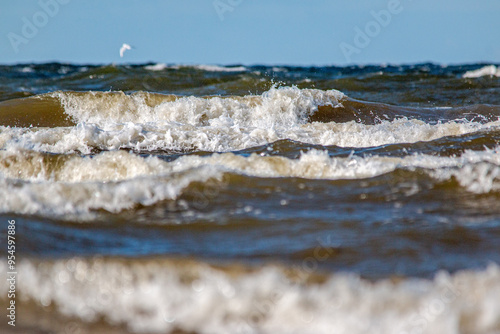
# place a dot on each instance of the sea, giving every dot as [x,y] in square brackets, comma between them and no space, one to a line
[210,199]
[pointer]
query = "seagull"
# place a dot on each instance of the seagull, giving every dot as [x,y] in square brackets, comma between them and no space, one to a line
[124,48]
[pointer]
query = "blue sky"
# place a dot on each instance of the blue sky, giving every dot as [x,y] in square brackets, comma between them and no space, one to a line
[307,32]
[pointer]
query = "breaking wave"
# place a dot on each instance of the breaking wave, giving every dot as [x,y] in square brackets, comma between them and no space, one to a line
[159,296]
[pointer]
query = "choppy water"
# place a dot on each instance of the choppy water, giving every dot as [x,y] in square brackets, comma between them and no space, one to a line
[208,199]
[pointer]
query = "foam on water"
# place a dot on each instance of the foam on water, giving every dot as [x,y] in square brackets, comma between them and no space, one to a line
[225,135]
[112,181]
[27,69]
[279,106]
[217,68]
[208,68]
[144,121]
[117,166]
[156,67]
[159,296]
[490,70]
[35,183]
[59,199]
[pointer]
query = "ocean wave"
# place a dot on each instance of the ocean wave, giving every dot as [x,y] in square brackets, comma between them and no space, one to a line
[65,122]
[48,185]
[223,135]
[279,106]
[204,207]
[79,200]
[165,296]
[314,164]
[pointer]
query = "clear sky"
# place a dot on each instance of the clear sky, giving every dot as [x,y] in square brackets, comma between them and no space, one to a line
[307,32]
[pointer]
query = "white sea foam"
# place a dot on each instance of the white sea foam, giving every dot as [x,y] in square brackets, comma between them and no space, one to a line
[118,166]
[490,70]
[27,69]
[279,69]
[208,68]
[113,181]
[283,106]
[33,183]
[148,122]
[217,68]
[80,199]
[160,296]
[478,172]
[156,67]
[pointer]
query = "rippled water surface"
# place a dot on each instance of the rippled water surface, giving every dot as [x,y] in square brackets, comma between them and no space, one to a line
[160,198]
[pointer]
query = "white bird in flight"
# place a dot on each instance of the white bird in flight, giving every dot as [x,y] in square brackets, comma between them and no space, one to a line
[124,48]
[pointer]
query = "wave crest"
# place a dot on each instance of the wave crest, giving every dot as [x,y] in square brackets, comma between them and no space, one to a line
[160,296]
